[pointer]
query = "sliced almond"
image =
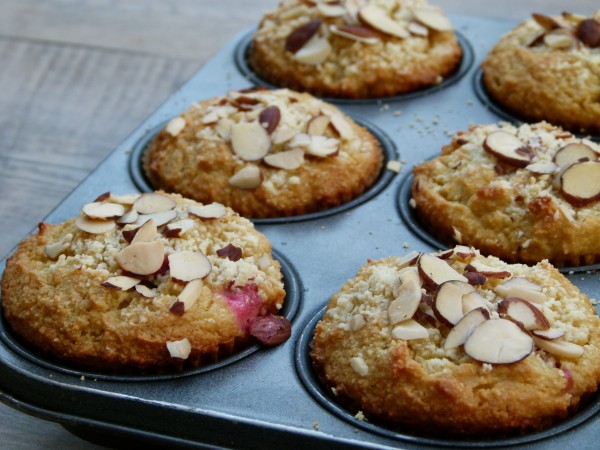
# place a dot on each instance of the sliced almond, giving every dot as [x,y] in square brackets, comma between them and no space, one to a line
[121,282]
[549,334]
[328,10]
[301,35]
[160,218]
[463,253]
[498,341]
[317,125]
[175,126]
[546,22]
[588,32]
[542,167]
[356,33]
[314,52]
[359,365]
[188,266]
[508,148]
[130,216]
[410,258]
[560,38]
[223,128]
[187,298]
[288,160]
[459,334]
[103,210]
[53,251]
[435,271]
[282,134]
[152,202]
[409,330]
[448,304]
[489,271]
[145,233]
[433,18]
[127,199]
[180,227]
[146,291]
[211,211]
[94,226]
[575,152]
[379,19]
[416,29]
[269,118]
[522,288]
[406,302]
[410,274]
[580,183]
[179,349]
[562,349]
[231,252]
[250,141]
[249,177]
[341,125]
[473,300]
[322,146]
[523,312]
[141,258]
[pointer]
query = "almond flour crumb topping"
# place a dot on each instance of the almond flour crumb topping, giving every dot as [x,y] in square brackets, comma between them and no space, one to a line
[499,296]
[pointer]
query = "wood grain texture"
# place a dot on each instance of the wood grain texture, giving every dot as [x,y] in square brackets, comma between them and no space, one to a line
[77,76]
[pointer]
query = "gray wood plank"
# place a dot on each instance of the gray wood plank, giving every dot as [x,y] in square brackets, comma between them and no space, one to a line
[188,29]
[66,109]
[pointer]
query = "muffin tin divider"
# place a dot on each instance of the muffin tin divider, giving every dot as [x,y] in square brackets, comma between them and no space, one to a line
[260,401]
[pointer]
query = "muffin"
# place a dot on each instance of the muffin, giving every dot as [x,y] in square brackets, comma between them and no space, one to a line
[144,283]
[265,154]
[457,344]
[355,48]
[522,194]
[548,68]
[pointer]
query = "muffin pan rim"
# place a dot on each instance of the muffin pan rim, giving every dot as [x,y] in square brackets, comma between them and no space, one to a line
[318,391]
[466,63]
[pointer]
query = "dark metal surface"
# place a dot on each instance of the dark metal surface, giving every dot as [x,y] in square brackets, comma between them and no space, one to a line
[260,401]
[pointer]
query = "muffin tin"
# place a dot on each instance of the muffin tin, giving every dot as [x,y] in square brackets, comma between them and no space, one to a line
[270,398]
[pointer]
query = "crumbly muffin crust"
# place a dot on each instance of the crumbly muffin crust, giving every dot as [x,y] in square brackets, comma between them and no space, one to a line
[384,66]
[470,196]
[422,386]
[64,305]
[536,81]
[199,159]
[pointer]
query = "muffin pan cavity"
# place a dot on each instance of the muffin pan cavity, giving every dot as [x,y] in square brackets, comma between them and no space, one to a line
[324,396]
[390,153]
[242,51]
[291,306]
[412,222]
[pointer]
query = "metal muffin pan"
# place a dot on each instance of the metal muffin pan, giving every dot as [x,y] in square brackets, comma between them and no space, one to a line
[247,404]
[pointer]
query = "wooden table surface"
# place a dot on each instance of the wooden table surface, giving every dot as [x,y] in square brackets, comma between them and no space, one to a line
[76,76]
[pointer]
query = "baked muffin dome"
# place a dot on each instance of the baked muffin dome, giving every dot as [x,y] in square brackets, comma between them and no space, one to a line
[143,283]
[523,193]
[265,154]
[441,345]
[355,48]
[548,68]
